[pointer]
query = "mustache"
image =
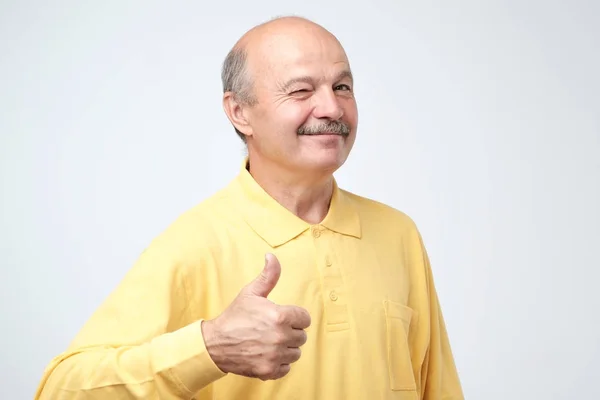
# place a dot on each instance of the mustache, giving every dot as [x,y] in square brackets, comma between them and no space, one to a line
[331,127]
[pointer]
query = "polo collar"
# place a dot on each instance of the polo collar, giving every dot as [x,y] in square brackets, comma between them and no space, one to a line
[276,224]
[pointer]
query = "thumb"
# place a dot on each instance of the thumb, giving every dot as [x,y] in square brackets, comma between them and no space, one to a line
[263,284]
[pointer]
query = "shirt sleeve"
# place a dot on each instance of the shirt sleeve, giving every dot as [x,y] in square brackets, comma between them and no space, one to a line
[439,375]
[141,343]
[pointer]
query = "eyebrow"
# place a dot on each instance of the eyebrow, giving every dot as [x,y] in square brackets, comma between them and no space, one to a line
[308,79]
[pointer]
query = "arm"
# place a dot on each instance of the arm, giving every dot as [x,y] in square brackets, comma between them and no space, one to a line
[142,343]
[439,376]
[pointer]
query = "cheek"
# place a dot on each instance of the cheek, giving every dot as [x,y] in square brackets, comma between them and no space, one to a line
[351,112]
[294,115]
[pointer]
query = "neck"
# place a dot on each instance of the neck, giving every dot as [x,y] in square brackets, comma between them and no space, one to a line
[308,197]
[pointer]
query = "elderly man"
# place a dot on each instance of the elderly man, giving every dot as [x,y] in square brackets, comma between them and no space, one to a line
[281,285]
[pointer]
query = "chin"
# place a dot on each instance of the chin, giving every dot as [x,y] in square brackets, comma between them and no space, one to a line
[325,163]
[323,155]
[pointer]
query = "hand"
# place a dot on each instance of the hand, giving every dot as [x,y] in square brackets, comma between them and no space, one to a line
[254,337]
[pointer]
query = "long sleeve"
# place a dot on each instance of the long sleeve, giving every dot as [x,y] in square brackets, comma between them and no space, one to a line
[439,376]
[141,343]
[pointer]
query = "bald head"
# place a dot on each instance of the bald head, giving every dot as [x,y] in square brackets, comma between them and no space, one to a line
[261,47]
[278,27]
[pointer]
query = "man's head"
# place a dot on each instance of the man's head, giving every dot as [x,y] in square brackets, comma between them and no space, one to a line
[288,91]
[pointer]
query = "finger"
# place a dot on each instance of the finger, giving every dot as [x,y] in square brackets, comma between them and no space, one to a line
[284,369]
[291,355]
[296,317]
[296,338]
[263,284]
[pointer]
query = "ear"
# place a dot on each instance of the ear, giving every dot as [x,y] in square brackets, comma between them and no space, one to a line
[236,112]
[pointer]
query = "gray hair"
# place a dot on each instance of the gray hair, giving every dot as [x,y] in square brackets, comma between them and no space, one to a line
[235,79]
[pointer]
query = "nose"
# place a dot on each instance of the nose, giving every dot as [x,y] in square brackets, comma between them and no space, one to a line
[327,105]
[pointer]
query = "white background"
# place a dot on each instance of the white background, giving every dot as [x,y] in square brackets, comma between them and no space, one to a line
[481,120]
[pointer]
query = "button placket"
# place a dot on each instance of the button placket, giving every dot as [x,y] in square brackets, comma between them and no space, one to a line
[332,285]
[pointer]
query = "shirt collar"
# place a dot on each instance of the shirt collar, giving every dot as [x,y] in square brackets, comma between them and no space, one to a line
[276,224]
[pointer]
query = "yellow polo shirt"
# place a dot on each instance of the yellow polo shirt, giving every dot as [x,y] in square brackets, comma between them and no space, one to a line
[363,275]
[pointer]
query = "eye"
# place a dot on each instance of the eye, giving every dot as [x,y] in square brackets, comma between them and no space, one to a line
[304,92]
[343,87]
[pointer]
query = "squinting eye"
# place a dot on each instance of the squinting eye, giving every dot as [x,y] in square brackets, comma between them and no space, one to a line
[343,87]
[301,91]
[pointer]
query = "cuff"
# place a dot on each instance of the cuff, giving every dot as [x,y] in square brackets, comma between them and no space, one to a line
[183,353]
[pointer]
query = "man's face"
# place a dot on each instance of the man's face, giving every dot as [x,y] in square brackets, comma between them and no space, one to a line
[306,114]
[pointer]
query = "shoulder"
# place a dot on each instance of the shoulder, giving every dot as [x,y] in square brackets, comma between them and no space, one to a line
[371,210]
[197,230]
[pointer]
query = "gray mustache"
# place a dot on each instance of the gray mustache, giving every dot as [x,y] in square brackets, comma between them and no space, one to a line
[332,127]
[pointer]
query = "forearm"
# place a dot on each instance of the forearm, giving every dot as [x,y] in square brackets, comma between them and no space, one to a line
[171,366]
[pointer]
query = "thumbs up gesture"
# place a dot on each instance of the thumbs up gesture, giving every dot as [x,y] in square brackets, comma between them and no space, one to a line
[254,337]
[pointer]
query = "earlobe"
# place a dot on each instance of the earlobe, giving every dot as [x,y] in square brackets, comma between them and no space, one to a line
[235,112]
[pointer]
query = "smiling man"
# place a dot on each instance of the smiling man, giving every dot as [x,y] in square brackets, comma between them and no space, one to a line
[281,285]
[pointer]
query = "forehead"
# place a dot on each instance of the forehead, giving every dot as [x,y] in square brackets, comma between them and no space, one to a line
[283,55]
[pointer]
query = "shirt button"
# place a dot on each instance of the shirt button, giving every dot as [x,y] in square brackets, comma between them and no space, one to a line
[316,232]
[328,261]
[333,295]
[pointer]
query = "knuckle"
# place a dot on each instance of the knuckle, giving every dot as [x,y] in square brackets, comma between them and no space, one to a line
[264,371]
[279,337]
[270,371]
[279,318]
[276,352]
[272,356]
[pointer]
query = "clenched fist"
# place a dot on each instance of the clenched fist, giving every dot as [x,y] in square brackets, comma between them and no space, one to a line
[254,337]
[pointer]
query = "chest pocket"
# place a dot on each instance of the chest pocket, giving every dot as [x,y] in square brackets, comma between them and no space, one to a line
[399,319]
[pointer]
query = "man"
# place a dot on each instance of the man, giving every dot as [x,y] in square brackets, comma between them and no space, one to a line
[282,285]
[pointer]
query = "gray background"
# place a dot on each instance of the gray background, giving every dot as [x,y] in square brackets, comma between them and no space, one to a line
[481,120]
